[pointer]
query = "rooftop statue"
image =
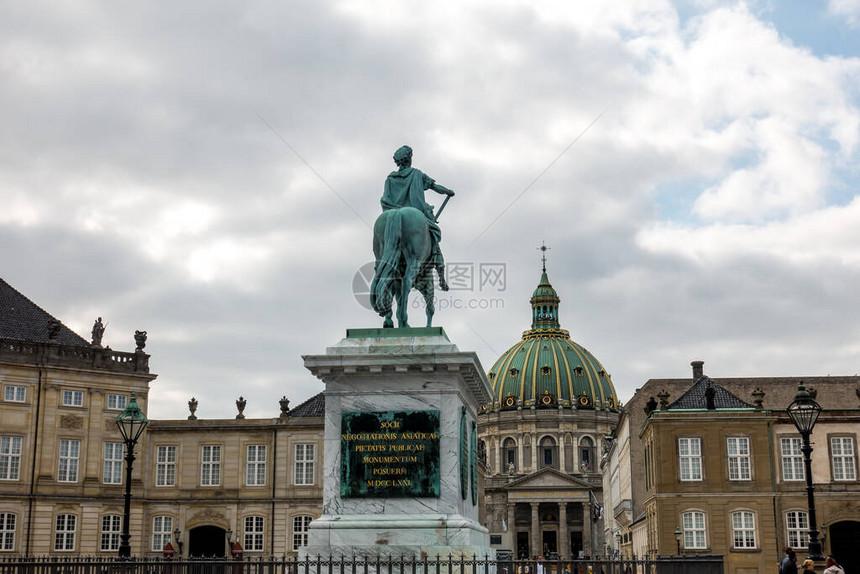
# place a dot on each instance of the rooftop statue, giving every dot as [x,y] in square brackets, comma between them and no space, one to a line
[406,240]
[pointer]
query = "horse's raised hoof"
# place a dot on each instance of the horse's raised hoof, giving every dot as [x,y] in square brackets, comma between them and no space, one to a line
[388,324]
[443,285]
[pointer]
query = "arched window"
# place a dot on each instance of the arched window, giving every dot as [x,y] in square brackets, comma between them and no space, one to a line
[110,532]
[8,523]
[254,533]
[743,529]
[482,451]
[694,530]
[548,452]
[300,531]
[509,456]
[586,454]
[797,527]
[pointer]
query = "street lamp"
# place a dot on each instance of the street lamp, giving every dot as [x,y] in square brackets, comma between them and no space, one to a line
[131,422]
[176,534]
[804,413]
[678,538]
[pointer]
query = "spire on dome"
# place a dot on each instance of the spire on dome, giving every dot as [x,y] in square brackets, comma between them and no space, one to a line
[544,300]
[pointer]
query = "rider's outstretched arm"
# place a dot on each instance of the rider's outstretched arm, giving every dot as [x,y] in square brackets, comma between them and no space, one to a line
[442,189]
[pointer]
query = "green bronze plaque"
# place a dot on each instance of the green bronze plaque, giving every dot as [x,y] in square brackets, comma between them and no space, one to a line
[389,454]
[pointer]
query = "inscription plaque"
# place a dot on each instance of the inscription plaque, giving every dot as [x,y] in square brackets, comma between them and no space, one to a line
[387,454]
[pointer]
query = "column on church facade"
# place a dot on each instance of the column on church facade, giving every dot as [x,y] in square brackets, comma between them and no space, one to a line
[586,528]
[534,452]
[535,530]
[563,536]
[500,466]
[520,452]
[561,453]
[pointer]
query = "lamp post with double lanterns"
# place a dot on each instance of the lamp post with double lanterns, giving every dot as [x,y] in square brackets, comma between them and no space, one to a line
[131,422]
[804,412]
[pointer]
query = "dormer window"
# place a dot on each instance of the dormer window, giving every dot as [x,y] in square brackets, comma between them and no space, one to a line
[577,371]
[545,370]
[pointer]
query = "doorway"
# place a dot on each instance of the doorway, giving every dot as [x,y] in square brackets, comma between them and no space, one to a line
[550,543]
[844,542]
[575,544]
[208,541]
[523,551]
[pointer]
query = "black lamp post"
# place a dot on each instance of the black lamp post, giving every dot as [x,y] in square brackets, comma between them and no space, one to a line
[678,538]
[176,536]
[804,413]
[131,422]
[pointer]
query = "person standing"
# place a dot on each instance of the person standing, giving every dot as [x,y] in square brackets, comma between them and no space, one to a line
[788,564]
[808,567]
[833,567]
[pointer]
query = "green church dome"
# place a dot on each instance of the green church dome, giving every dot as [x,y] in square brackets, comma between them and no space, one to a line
[546,368]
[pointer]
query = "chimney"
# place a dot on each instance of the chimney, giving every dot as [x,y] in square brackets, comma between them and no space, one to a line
[698,370]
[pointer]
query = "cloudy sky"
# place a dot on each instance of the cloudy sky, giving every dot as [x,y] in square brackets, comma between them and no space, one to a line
[209,172]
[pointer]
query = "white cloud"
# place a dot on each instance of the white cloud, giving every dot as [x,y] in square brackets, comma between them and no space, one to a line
[848,9]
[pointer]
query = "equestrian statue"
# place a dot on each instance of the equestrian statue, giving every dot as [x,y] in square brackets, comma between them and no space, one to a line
[406,240]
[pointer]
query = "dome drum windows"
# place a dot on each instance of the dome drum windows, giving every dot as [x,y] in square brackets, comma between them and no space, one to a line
[509,456]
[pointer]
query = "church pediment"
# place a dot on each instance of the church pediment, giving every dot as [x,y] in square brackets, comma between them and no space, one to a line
[548,478]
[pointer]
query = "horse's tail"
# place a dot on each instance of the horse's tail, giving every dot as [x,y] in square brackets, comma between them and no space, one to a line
[387,266]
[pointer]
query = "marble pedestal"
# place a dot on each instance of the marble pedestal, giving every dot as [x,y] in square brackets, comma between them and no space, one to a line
[414,369]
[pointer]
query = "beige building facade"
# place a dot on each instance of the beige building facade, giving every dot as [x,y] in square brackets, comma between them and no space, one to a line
[62,473]
[730,478]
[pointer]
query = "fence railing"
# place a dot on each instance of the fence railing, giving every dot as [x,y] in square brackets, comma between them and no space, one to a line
[698,564]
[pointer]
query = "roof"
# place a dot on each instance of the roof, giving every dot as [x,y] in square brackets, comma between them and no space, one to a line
[23,320]
[313,407]
[696,398]
[546,369]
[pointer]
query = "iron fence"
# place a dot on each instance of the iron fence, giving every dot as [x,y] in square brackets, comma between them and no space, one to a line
[690,564]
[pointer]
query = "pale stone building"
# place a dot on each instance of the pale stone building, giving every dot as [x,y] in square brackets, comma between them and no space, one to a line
[728,474]
[553,404]
[62,462]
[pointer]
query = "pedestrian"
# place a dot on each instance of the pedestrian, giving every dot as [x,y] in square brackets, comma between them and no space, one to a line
[808,567]
[832,566]
[788,564]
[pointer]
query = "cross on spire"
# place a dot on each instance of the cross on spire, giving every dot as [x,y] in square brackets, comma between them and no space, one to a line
[543,248]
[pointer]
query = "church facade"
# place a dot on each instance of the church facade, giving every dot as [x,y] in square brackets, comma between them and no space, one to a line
[541,438]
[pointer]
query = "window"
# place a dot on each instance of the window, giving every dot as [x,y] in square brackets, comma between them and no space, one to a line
[162,530]
[73,398]
[113,463]
[67,471]
[7,530]
[210,466]
[64,534]
[743,529]
[110,532]
[10,457]
[694,530]
[165,466]
[116,402]
[547,451]
[690,458]
[304,464]
[253,534]
[738,449]
[509,455]
[842,458]
[255,474]
[14,394]
[792,459]
[586,454]
[300,531]
[797,525]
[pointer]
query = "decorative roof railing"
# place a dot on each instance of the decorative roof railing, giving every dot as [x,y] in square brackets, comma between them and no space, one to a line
[56,355]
